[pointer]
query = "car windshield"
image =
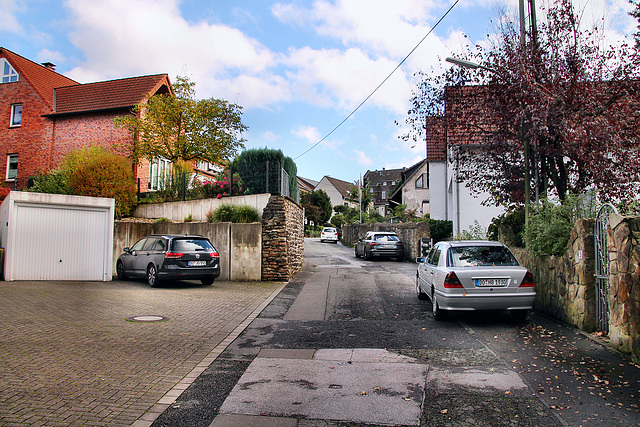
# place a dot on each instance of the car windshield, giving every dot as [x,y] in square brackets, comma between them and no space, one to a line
[191,245]
[473,256]
[329,230]
[385,238]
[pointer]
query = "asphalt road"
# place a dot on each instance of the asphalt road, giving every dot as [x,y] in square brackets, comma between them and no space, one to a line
[347,343]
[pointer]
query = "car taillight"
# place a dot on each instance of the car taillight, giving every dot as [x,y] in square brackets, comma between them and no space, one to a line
[214,254]
[173,255]
[452,281]
[527,282]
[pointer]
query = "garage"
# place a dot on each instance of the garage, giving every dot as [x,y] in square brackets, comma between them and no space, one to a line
[56,237]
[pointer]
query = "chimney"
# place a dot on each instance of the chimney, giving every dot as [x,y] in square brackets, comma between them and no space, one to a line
[49,65]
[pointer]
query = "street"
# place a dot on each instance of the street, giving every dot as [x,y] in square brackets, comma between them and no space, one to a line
[347,342]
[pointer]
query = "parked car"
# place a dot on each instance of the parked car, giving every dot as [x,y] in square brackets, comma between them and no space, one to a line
[329,234]
[162,257]
[474,275]
[380,244]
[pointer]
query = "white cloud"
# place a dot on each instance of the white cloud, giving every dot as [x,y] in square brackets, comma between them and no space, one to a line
[8,21]
[269,136]
[362,159]
[308,133]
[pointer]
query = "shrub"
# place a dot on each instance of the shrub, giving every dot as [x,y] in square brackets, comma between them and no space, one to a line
[252,167]
[4,192]
[234,213]
[96,172]
[511,225]
[440,229]
[475,232]
[162,219]
[54,182]
[188,218]
[550,226]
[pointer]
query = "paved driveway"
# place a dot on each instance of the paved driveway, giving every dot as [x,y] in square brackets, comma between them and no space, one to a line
[70,356]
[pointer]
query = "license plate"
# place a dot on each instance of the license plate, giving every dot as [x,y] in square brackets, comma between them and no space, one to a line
[389,246]
[197,263]
[491,283]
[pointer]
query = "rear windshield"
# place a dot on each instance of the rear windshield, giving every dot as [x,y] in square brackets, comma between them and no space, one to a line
[385,238]
[191,245]
[329,230]
[473,256]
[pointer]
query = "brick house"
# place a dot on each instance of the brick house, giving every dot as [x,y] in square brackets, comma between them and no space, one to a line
[46,115]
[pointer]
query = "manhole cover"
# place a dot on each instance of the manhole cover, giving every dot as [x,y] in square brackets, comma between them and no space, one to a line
[149,318]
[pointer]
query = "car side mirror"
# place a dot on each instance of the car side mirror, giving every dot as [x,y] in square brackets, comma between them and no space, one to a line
[420,260]
[126,250]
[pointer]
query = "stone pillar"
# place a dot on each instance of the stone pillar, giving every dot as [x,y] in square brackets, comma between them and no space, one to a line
[282,239]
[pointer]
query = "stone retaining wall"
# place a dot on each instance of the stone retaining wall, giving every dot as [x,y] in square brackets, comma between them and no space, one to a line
[283,239]
[624,285]
[565,286]
[408,232]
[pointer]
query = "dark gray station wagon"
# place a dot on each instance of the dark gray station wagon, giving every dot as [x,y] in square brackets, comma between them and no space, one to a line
[165,257]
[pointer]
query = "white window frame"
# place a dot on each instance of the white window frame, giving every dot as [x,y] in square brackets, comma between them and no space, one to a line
[9,168]
[15,114]
[7,73]
[159,168]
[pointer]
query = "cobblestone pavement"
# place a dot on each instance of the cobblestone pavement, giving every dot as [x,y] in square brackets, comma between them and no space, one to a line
[70,356]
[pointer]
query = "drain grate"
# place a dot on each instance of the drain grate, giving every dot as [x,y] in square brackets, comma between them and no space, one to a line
[148,318]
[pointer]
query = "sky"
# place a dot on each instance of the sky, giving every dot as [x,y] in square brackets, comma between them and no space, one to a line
[297,67]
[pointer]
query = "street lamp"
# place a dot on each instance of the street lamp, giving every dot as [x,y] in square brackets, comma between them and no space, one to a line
[527,184]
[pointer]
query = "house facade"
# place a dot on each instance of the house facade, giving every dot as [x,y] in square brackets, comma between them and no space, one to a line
[449,198]
[47,115]
[414,192]
[383,183]
[337,190]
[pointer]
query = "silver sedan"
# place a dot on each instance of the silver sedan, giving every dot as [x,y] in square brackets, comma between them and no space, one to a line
[474,275]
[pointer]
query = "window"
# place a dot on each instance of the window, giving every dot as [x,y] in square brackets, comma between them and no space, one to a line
[383,195]
[422,182]
[12,167]
[16,115]
[8,73]
[159,169]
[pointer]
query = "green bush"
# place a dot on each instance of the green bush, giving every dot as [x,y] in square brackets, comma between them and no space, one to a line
[551,224]
[511,224]
[54,182]
[252,168]
[95,172]
[475,232]
[440,229]
[234,213]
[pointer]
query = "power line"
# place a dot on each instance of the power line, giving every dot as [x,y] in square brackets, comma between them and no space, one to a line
[382,83]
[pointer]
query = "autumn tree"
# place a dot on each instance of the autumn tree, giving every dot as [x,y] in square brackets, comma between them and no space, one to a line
[560,106]
[181,128]
[317,206]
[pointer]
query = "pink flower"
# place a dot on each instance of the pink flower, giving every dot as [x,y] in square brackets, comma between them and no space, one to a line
[219,196]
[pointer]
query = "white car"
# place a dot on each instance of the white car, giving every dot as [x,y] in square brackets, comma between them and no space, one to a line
[329,234]
[474,275]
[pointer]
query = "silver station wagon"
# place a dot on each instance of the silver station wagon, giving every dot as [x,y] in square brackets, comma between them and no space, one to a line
[474,275]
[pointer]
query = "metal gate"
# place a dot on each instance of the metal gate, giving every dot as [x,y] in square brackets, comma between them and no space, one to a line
[602,266]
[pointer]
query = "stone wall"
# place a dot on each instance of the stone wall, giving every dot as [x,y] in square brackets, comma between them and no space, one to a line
[624,286]
[565,286]
[409,233]
[282,239]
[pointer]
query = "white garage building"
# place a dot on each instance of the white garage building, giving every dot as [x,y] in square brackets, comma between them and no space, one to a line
[56,237]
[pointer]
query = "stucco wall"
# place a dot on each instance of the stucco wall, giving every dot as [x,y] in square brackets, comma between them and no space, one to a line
[409,233]
[177,211]
[414,197]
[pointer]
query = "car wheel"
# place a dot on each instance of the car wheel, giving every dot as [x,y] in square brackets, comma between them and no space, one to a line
[207,281]
[519,316]
[321,241]
[365,256]
[438,313]
[120,271]
[356,252]
[152,276]
[421,295]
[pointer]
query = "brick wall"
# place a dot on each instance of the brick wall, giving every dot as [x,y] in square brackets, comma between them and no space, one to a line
[32,140]
[282,239]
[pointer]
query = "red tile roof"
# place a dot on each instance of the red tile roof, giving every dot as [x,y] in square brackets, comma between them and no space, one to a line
[109,95]
[41,78]
[342,186]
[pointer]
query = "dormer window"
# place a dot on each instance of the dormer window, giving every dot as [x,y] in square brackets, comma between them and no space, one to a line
[8,73]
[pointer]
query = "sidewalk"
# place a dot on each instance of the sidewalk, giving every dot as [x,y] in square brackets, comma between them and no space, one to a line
[79,353]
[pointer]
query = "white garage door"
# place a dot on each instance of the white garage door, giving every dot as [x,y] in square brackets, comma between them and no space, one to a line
[59,243]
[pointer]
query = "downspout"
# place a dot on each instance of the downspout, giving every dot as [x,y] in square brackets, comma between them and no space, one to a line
[446,178]
[457,198]
[53,132]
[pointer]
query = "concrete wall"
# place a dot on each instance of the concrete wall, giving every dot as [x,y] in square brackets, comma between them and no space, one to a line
[239,245]
[409,233]
[178,211]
